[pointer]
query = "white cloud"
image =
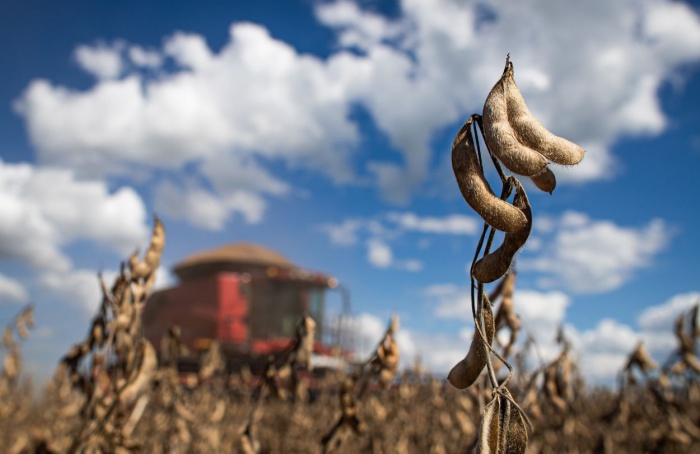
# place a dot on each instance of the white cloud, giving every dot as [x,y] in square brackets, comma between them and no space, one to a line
[357,28]
[543,312]
[164,279]
[439,352]
[411,265]
[145,58]
[256,95]
[205,209]
[453,224]
[628,48]
[231,174]
[587,256]
[600,351]
[381,230]
[663,316]
[101,60]
[415,73]
[379,253]
[450,301]
[80,288]
[47,208]
[657,323]
[345,233]
[393,224]
[12,290]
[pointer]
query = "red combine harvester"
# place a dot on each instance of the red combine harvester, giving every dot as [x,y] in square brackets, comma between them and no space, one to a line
[247,298]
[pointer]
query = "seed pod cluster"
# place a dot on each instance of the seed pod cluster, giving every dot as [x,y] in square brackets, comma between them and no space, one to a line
[113,394]
[516,137]
[386,359]
[640,358]
[687,333]
[502,428]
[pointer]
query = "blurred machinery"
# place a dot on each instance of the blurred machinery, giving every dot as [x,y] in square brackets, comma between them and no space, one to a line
[249,299]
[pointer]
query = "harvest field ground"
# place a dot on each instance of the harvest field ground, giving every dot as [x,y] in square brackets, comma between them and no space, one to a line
[114,393]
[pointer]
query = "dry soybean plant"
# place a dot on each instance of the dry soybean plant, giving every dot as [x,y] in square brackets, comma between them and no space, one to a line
[112,370]
[285,369]
[516,140]
[12,362]
[380,367]
[15,394]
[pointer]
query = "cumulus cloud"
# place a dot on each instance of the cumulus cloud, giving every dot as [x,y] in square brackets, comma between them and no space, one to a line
[453,224]
[79,288]
[357,28]
[628,48]
[256,96]
[657,323]
[367,329]
[542,314]
[345,233]
[543,311]
[45,209]
[381,230]
[145,58]
[663,316]
[101,60]
[205,209]
[379,253]
[415,74]
[396,223]
[604,350]
[601,351]
[587,256]
[449,300]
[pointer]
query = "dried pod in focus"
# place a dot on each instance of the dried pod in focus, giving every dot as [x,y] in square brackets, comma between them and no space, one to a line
[530,132]
[465,372]
[476,191]
[496,264]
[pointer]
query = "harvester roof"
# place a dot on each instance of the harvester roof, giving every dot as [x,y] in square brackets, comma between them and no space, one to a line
[241,258]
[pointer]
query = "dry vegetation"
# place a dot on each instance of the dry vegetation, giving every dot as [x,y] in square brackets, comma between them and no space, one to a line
[113,392]
[656,409]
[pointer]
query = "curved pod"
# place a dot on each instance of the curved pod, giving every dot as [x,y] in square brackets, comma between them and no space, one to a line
[530,132]
[465,372]
[502,140]
[144,377]
[496,264]
[476,191]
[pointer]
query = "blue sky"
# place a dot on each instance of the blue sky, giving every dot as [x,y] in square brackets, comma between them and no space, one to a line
[323,130]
